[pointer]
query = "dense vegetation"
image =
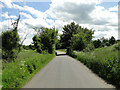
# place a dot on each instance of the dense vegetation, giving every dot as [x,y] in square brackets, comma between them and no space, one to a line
[45,40]
[75,37]
[17,57]
[16,74]
[10,43]
[103,61]
[100,55]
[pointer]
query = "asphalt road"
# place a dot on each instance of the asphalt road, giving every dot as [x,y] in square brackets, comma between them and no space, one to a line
[66,72]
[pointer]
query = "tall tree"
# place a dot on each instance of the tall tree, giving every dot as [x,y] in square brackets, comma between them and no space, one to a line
[69,36]
[68,32]
[97,43]
[112,40]
[46,40]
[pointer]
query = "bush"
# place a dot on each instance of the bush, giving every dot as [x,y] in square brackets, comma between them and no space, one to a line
[10,43]
[90,47]
[103,61]
[117,47]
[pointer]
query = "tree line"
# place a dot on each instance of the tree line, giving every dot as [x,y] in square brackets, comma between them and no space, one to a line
[46,40]
[75,37]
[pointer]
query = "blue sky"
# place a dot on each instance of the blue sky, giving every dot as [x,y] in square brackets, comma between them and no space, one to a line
[102,17]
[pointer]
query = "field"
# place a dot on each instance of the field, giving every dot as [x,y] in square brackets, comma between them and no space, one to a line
[28,63]
[103,61]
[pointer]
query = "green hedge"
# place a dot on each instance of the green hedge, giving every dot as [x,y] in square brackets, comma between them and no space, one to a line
[16,74]
[103,61]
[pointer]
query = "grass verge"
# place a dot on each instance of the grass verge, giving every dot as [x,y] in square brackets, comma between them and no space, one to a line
[18,73]
[103,61]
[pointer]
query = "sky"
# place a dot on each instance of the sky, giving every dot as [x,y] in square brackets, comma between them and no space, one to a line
[99,15]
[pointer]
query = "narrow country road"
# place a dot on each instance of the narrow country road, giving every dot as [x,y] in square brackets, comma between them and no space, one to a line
[66,72]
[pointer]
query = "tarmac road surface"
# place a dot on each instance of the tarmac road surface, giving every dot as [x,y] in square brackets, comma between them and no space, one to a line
[66,72]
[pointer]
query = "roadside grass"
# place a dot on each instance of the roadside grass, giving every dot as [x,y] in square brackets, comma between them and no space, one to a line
[62,50]
[103,61]
[17,74]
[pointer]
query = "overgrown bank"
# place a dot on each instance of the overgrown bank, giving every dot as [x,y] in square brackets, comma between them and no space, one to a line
[103,61]
[28,63]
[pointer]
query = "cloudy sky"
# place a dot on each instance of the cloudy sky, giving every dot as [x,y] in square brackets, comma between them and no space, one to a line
[101,15]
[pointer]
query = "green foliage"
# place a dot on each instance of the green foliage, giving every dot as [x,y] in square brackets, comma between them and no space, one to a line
[97,43]
[78,41]
[28,47]
[58,44]
[10,43]
[103,61]
[28,63]
[69,51]
[46,40]
[37,43]
[68,32]
[117,47]
[31,47]
[112,40]
[76,36]
[104,42]
[90,47]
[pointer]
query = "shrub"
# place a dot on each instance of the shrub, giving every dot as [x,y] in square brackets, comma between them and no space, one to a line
[103,61]
[117,47]
[90,47]
[10,43]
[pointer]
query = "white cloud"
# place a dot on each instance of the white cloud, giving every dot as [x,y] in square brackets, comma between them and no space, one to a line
[7,3]
[8,16]
[15,6]
[115,8]
[34,11]
[86,13]
[26,15]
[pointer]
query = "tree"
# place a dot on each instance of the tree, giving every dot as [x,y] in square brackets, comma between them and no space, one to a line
[112,40]
[104,42]
[10,42]
[78,42]
[68,32]
[69,35]
[46,40]
[97,43]
[37,43]
[58,44]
